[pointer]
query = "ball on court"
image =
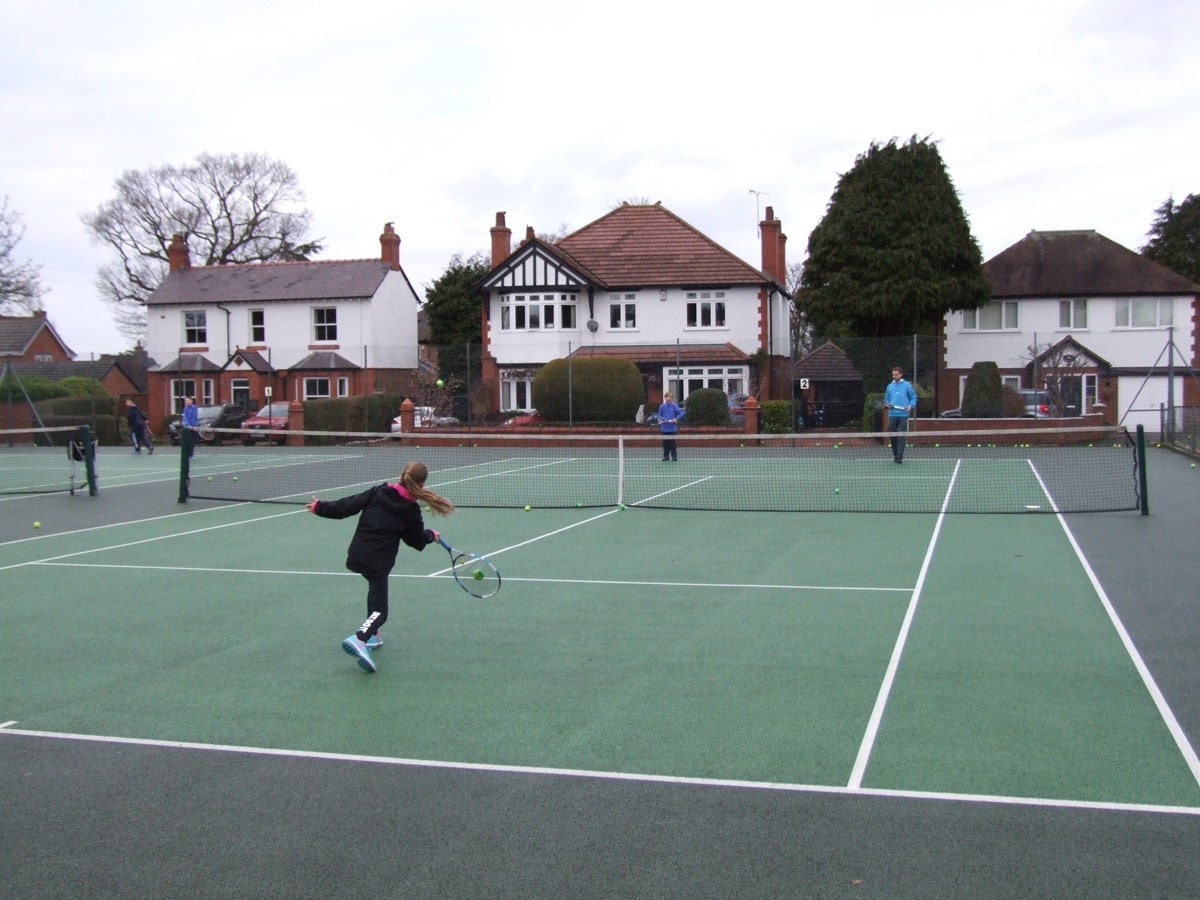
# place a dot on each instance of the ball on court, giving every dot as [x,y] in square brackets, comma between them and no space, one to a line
[441,383]
[477,574]
[837,490]
[235,478]
[1193,465]
[39,524]
[527,507]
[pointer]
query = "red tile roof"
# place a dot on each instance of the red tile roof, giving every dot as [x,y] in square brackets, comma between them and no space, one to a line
[639,245]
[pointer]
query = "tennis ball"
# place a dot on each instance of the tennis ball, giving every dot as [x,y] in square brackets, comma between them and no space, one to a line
[235,478]
[837,490]
[39,524]
[1193,465]
[441,383]
[477,574]
[527,507]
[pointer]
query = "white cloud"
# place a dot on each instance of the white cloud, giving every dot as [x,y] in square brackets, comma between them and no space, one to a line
[434,115]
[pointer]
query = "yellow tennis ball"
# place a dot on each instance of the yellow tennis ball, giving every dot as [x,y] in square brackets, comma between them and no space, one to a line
[837,490]
[477,574]
[37,524]
[527,507]
[441,383]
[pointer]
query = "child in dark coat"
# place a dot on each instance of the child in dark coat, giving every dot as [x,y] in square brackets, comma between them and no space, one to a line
[387,514]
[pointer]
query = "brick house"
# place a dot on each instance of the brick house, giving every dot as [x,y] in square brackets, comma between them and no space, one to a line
[30,339]
[640,283]
[288,330]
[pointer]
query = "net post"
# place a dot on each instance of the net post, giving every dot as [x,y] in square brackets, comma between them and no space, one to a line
[186,439]
[1143,496]
[620,470]
[89,459]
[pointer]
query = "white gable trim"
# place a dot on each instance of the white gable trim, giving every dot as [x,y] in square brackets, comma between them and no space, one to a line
[535,269]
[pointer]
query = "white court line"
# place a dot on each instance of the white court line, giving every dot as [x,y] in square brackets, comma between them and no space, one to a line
[781,787]
[889,678]
[600,582]
[55,534]
[149,540]
[1160,702]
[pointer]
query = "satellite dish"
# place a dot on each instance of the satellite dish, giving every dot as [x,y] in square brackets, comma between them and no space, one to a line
[593,326]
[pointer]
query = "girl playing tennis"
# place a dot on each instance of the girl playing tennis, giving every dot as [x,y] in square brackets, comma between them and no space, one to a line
[387,515]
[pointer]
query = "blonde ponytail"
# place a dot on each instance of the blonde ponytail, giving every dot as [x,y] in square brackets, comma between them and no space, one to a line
[413,478]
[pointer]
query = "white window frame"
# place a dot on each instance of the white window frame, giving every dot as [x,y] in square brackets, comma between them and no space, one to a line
[324,324]
[622,313]
[258,330]
[316,387]
[1006,313]
[195,327]
[705,310]
[1012,381]
[682,380]
[343,386]
[516,390]
[538,312]
[1135,312]
[1073,314]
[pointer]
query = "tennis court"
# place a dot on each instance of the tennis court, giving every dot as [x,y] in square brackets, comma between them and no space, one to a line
[658,701]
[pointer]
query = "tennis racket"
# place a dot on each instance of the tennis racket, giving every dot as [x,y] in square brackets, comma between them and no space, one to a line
[205,434]
[474,574]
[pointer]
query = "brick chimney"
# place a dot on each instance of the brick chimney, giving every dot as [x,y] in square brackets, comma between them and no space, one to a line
[774,242]
[178,259]
[501,240]
[389,243]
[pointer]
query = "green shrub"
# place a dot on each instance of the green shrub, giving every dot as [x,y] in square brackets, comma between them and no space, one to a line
[777,417]
[707,406]
[36,387]
[373,413]
[80,386]
[588,389]
[983,396]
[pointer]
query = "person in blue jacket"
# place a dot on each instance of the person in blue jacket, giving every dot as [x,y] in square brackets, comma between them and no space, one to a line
[668,420]
[901,401]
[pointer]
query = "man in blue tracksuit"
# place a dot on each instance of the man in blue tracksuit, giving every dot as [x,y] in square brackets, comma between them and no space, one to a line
[901,401]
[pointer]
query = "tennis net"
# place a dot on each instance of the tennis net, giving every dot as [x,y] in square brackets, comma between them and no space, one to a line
[41,460]
[1027,471]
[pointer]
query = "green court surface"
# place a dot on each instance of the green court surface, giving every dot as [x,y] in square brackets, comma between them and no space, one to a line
[681,703]
[964,655]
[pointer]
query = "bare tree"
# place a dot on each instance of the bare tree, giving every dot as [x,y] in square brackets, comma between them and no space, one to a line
[230,208]
[21,287]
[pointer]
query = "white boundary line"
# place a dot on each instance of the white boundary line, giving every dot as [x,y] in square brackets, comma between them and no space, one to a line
[885,689]
[782,787]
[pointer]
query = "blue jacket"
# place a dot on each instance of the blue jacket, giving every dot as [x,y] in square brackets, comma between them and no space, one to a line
[668,413]
[900,393]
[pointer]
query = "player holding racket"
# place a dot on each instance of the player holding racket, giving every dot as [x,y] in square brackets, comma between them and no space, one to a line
[387,514]
[901,401]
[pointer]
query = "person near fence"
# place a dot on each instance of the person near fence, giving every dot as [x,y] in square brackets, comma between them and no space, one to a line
[387,514]
[139,431]
[901,401]
[668,420]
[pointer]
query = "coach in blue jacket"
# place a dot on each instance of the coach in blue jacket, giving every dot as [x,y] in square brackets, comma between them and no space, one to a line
[901,400]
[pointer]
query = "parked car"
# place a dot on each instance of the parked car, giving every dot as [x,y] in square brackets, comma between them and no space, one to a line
[424,417]
[1037,403]
[227,415]
[268,424]
[737,408]
[525,420]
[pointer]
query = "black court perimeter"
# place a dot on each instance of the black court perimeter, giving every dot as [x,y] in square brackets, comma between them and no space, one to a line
[657,703]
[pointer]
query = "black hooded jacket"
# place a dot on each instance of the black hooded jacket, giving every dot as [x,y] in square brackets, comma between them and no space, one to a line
[388,515]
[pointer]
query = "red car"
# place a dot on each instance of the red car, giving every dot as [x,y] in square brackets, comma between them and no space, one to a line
[268,424]
[529,418]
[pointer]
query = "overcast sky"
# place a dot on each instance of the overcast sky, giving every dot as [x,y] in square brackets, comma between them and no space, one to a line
[1049,114]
